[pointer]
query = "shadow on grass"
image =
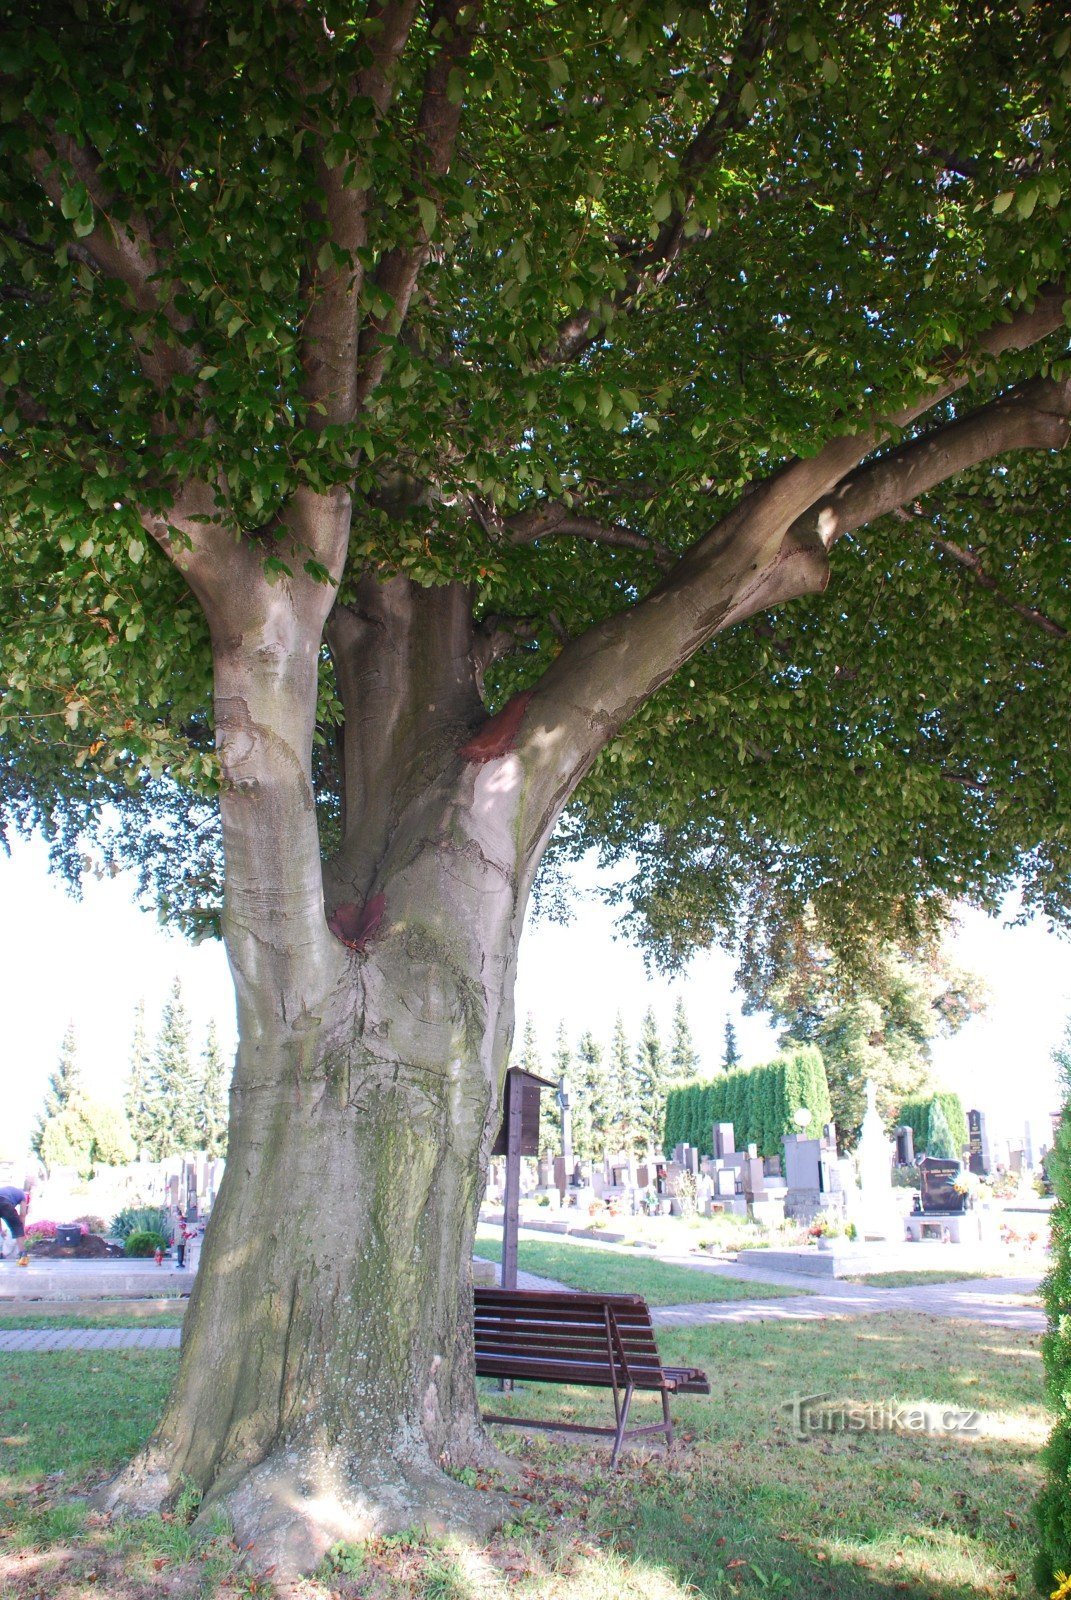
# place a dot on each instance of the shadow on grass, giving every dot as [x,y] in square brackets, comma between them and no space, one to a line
[740,1507]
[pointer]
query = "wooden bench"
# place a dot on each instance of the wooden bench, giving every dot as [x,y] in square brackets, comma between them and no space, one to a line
[606,1340]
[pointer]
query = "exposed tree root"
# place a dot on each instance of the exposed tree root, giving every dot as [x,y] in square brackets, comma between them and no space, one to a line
[289,1510]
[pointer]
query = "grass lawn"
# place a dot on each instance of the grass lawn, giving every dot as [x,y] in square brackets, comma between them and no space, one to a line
[613,1272]
[742,1507]
[92,1314]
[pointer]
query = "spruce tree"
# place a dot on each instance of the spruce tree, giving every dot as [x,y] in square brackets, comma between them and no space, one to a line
[624,1095]
[731,1056]
[683,1059]
[63,1085]
[550,1116]
[212,1119]
[172,1096]
[135,1101]
[653,1073]
[592,1101]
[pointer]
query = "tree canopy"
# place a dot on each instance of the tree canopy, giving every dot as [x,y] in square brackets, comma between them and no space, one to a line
[874,1016]
[611,265]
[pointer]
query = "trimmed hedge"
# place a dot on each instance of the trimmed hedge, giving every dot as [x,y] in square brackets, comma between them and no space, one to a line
[758,1101]
[915,1114]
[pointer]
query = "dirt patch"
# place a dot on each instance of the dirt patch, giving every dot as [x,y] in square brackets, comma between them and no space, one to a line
[90,1247]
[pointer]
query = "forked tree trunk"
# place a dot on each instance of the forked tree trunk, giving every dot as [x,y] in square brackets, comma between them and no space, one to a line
[327,1368]
[327,1374]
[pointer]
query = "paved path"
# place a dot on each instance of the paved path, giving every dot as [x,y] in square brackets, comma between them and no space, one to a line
[998,1301]
[89,1339]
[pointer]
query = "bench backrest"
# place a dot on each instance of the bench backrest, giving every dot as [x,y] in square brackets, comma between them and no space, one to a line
[601,1339]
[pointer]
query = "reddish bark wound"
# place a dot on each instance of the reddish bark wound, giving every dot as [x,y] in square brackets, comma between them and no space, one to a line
[498,735]
[356,925]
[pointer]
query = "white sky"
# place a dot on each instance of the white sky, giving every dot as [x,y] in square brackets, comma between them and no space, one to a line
[91,961]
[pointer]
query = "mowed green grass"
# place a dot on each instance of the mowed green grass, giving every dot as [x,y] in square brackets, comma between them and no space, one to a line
[612,1272]
[741,1507]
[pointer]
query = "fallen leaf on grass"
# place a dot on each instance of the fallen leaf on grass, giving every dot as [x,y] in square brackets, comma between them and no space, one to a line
[16,1438]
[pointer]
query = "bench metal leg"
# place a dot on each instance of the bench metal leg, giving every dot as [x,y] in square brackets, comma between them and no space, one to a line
[621,1421]
[667,1418]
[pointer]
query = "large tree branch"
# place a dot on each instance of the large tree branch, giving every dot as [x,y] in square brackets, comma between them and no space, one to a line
[334,279]
[454,25]
[1033,416]
[770,548]
[120,246]
[650,266]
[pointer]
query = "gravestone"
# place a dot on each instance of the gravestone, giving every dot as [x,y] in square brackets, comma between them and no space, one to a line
[905,1146]
[938,1195]
[724,1139]
[754,1179]
[725,1179]
[978,1143]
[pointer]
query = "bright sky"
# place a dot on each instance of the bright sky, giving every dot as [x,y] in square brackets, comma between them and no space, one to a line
[91,961]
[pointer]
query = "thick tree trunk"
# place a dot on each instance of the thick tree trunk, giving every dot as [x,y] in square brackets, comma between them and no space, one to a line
[327,1371]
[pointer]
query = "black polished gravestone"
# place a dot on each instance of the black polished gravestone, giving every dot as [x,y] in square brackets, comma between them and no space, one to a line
[938,1195]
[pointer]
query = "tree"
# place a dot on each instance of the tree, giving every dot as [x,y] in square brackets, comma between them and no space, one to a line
[592,1113]
[939,1141]
[135,1099]
[873,1017]
[444,408]
[731,1056]
[86,1134]
[683,1057]
[623,1132]
[653,1075]
[63,1084]
[212,1104]
[173,1095]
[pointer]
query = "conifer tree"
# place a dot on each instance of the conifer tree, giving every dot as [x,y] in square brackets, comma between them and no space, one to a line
[213,1102]
[63,1085]
[653,1073]
[135,1102]
[940,1142]
[173,1090]
[550,1116]
[624,1096]
[731,1055]
[592,1103]
[683,1059]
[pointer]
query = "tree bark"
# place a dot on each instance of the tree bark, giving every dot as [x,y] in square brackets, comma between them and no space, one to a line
[327,1371]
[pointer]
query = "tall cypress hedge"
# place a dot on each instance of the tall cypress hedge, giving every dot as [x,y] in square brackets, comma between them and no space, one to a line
[760,1102]
[916,1113]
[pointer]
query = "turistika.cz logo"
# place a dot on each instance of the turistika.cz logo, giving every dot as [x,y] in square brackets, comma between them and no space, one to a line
[821,1413]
